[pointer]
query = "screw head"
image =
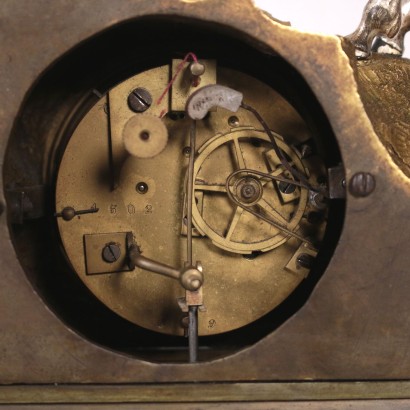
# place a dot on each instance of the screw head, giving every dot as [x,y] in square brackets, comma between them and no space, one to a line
[111,252]
[362,184]
[139,100]
[233,121]
[318,200]
[304,260]
[186,151]
[248,191]
[141,188]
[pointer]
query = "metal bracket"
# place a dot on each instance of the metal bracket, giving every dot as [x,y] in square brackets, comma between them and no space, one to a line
[106,253]
[337,182]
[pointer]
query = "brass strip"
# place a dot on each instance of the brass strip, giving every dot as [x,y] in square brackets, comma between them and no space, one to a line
[204,392]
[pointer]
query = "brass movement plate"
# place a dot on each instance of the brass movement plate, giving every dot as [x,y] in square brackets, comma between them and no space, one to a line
[237,290]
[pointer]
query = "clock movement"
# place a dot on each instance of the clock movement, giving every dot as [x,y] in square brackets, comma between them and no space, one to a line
[197,194]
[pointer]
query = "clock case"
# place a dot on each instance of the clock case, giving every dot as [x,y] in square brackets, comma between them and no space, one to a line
[350,323]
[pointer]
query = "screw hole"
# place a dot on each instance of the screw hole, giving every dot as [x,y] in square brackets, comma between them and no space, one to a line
[141,188]
[144,135]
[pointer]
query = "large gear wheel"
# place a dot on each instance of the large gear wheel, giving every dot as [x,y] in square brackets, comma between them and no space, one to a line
[229,225]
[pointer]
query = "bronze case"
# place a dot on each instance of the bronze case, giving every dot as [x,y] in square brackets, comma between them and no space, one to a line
[355,325]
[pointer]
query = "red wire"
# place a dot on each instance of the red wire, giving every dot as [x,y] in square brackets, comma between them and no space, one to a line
[179,69]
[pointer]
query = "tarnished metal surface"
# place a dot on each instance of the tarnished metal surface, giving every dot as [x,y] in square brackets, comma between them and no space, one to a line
[205,393]
[355,324]
[327,405]
[155,217]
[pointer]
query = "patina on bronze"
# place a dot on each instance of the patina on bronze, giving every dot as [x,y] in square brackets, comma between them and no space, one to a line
[354,326]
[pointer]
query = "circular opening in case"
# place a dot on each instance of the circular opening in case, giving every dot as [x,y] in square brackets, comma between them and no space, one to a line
[66,150]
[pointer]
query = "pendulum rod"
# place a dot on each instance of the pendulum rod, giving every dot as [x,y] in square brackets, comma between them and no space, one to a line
[190,189]
[193,310]
[193,334]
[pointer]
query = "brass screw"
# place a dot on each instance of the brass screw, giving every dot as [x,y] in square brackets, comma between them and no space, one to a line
[362,184]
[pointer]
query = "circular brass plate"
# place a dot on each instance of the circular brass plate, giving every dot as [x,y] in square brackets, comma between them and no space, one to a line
[237,291]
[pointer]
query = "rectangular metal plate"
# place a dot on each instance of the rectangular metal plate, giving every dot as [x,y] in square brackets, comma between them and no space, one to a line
[93,247]
[337,182]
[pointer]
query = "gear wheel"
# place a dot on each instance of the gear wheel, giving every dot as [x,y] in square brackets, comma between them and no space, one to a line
[228,225]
